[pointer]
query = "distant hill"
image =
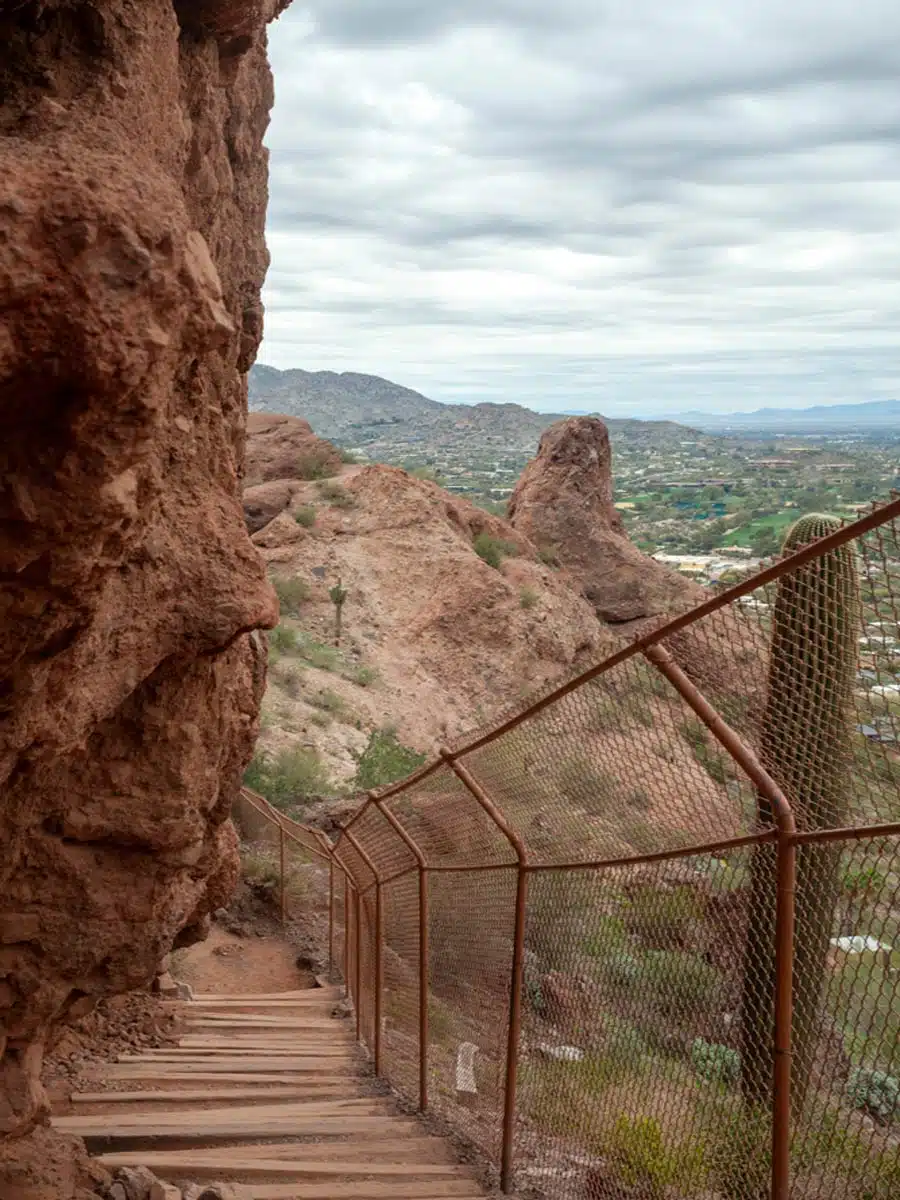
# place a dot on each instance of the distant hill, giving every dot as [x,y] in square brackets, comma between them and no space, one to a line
[822,418]
[356,409]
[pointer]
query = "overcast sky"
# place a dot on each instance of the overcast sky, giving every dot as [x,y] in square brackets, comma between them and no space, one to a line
[628,206]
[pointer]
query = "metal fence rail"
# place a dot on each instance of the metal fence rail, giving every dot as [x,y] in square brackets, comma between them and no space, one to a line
[638,938]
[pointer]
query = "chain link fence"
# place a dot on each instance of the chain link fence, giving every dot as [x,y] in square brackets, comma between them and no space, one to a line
[642,938]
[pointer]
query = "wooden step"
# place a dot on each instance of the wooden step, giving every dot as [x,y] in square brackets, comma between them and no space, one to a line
[301,1079]
[174,1053]
[247,1128]
[329,993]
[434,1189]
[300,1002]
[294,1064]
[277,1110]
[201,1166]
[306,1091]
[416,1148]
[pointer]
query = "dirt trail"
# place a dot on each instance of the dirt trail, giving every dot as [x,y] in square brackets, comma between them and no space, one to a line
[228,965]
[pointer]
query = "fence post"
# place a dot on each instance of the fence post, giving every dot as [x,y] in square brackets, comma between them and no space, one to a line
[417,854]
[357,998]
[786,878]
[379,973]
[785,912]
[281,859]
[346,935]
[330,918]
[515,1025]
[423,988]
[507,1149]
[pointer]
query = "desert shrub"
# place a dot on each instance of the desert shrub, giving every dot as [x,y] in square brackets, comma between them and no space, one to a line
[588,786]
[644,1157]
[320,718]
[347,456]
[305,516]
[315,463]
[259,866]
[680,983]
[709,758]
[664,918]
[428,474]
[493,550]
[317,654]
[384,760]
[875,1092]
[364,676]
[288,777]
[292,592]
[548,557]
[283,640]
[290,678]
[740,1155]
[528,598]
[715,1062]
[337,496]
[329,702]
[608,933]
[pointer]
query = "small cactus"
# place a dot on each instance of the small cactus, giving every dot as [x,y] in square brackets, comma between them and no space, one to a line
[338,595]
[806,746]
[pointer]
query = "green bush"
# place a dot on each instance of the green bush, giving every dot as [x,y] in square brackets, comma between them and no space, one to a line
[289,677]
[329,702]
[292,592]
[283,640]
[681,983]
[337,496]
[385,760]
[664,918]
[364,676]
[347,456]
[305,516]
[528,598]
[288,777]
[317,654]
[315,463]
[493,550]
[875,1092]
[645,1158]
[709,757]
[715,1062]
[429,474]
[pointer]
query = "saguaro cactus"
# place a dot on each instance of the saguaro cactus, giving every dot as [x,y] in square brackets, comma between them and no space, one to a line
[806,746]
[338,595]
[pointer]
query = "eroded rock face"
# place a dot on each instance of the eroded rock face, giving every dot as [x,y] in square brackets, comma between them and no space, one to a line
[285,448]
[132,204]
[564,503]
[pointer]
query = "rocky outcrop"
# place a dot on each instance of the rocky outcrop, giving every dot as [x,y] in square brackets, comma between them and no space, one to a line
[285,448]
[564,503]
[451,639]
[132,204]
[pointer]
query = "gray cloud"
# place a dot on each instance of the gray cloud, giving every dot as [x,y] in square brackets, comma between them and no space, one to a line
[631,208]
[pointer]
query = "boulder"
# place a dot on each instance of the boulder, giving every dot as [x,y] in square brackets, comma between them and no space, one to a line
[265,501]
[282,447]
[564,503]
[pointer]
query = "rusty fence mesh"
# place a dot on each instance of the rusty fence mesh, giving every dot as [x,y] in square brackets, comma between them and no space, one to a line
[641,939]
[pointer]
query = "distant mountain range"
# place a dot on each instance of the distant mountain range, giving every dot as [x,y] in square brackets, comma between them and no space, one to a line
[356,409]
[822,418]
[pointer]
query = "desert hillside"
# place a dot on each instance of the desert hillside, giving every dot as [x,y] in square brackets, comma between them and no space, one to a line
[450,614]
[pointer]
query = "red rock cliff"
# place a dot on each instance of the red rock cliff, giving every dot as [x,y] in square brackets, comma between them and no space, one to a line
[132,204]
